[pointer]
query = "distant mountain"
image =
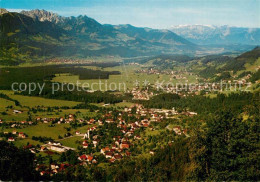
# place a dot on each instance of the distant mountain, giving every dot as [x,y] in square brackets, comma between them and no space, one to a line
[86,25]
[223,35]
[39,34]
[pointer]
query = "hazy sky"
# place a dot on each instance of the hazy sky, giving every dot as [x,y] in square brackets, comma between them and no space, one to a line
[151,13]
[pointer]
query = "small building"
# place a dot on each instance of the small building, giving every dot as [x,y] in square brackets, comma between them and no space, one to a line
[11,139]
[124,145]
[17,112]
[85,145]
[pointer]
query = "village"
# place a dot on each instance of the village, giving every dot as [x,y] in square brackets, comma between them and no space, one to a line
[187,89]
[115,135]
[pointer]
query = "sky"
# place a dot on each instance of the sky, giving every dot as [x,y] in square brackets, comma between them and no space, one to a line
[151,13]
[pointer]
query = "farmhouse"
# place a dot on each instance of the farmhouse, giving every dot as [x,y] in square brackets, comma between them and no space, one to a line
[109,154]
[17,112]
[85,145]
[124,145]
[104,150]
[85,157]
[21,135]
[177,130]
[11,139]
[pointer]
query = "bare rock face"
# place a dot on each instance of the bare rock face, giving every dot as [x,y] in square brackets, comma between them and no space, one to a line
[3,11]
[43,15]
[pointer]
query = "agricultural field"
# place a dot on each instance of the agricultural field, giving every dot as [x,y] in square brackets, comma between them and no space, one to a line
[117,105]
[126,80]
[7,107]
[31,101]
[25,141]
[5,103]
[71,141]
[45,129]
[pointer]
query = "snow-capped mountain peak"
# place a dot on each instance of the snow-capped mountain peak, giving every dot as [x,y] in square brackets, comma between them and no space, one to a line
[212,34]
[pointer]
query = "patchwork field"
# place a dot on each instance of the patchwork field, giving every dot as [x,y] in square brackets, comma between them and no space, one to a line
[126,80]
[7,107]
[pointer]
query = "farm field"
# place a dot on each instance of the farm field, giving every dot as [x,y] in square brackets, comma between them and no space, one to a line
[10,116]
[120,104]
[26,141]
[44,129]
[31,101]
[4,103]
[71,141]
[7,107]
[126,80]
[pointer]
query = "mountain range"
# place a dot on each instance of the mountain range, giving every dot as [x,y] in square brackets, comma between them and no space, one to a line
[35,34]
[222,35]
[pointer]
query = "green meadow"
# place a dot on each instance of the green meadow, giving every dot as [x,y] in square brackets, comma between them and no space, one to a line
[44,129]
[71,141]
[31,101]
[128,79]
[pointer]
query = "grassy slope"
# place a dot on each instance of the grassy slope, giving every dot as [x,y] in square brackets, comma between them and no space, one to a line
[37,101]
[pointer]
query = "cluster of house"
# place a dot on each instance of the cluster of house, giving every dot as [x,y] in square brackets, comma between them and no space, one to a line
[141,94]
[72,61]
[179,131]
[129,129]
[68,61]
[87,159]
[153,114]
[176,74]
[120,146]
[60,120]
[241,82]
[118,149]
[15,135]
[133,63]
[71,118]
[54,168]
[18,124]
